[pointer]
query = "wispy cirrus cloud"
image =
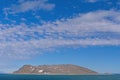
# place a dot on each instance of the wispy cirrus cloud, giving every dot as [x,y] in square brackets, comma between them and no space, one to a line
[99,28]
[29,5]
[91,1]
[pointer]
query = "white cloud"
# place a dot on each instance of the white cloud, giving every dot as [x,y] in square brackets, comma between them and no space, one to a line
[100,28]
[29,5]
[91,1]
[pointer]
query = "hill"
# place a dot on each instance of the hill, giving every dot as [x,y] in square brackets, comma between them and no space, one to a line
[54,69]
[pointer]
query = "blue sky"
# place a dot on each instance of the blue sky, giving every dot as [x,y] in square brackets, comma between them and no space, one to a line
[80,32]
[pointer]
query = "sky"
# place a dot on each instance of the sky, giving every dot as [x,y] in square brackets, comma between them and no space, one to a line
[80,32]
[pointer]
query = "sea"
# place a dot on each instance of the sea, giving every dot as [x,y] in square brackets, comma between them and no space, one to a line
[58,77]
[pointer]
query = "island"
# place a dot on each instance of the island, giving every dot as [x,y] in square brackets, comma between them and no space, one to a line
[67,69]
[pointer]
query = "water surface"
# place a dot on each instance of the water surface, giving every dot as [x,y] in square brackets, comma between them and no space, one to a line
[58,77]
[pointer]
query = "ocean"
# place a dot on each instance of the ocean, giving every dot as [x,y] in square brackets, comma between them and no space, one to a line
[58,77]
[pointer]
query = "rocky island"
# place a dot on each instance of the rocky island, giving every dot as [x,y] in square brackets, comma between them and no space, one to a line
[54,70]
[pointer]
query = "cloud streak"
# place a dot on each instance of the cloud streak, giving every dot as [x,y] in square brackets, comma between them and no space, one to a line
[100,28]
[29,5]
[92,1]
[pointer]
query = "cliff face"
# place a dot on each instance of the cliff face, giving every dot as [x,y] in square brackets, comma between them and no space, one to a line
[54,69]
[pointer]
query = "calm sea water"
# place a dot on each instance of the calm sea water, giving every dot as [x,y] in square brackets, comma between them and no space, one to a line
[59,77]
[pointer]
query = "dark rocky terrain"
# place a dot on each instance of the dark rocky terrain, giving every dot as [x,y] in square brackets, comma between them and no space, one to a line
[54,69]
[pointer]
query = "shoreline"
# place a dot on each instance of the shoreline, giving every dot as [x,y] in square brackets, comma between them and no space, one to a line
[61,74]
